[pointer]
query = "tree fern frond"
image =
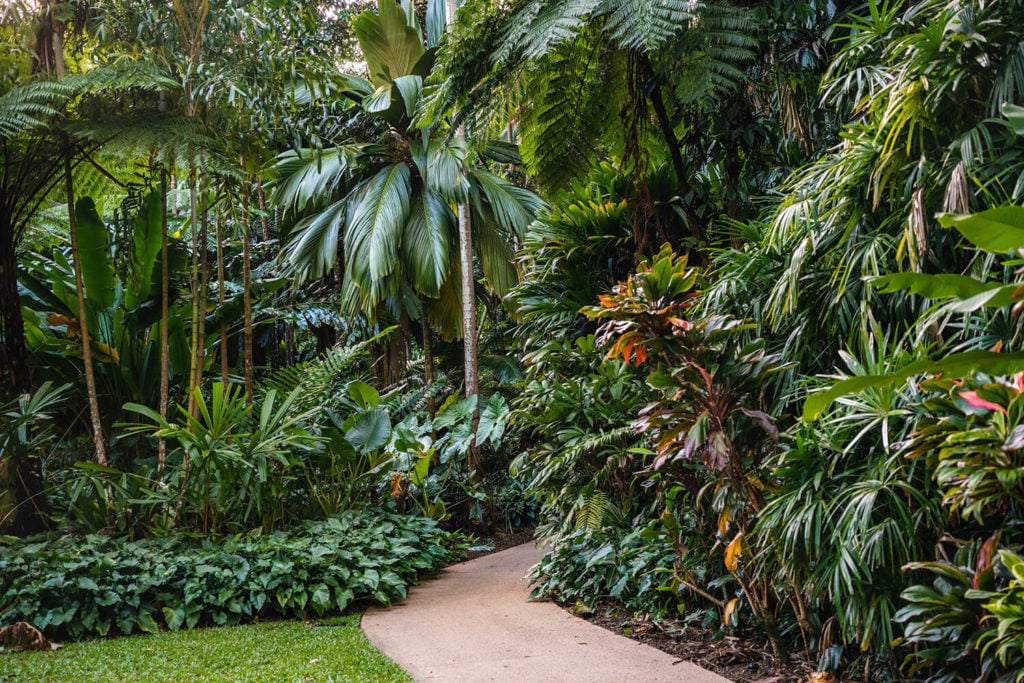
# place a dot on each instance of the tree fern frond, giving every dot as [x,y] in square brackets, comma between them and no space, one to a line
[647,24]
[574,102]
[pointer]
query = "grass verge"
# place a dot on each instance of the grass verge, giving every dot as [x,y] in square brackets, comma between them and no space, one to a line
[335,650]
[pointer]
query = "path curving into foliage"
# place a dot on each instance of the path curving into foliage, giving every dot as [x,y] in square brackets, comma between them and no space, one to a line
[475,623]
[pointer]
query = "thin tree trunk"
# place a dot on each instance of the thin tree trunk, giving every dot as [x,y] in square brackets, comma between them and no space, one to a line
[204,281]
[469,334]
[261,197]
[90,379]
[194,289]
[161,453]
[428,366]
[221,298]
[246,300]
[468,300]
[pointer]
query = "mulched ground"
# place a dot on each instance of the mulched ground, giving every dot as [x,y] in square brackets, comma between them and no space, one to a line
[738,659]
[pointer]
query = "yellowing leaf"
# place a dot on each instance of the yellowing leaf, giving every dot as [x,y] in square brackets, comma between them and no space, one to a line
[729,616]
[733,552]
[723,521]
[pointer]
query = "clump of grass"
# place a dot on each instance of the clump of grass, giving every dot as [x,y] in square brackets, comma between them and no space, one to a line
[269,651]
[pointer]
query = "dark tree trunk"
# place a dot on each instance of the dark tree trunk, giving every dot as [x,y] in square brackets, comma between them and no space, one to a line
[21,474]
[14,371]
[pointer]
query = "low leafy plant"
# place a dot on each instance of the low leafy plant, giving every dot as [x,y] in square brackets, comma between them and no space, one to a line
[79,586]
[634,567]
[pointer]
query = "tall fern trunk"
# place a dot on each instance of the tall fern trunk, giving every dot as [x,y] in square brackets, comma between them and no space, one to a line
[83,321]
[165,390]
[246,301]
[15,378]
[221,298]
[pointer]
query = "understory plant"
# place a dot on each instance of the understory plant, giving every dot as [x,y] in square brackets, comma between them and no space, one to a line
[81,586]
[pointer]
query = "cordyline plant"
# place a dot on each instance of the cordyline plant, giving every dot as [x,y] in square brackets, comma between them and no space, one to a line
[711,439]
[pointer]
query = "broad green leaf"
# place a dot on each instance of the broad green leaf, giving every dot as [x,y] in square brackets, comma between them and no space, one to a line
[145,250]
[422,469]
[94,255]
[1015,115]
[363,394]
[437,19]
[389,45]
[997,230]
[493,419]
[954,365]
[974,294]
[370,431]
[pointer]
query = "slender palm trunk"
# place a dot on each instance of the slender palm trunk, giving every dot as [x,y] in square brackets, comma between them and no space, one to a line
[90,379]
[469,331]
[428,365]
[194,290]
[161,454]
[468,299]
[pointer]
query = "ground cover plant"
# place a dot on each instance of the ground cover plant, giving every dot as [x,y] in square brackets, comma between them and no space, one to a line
[329,650]
[77,587]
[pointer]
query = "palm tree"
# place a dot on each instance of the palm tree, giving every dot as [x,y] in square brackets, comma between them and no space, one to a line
[390,201]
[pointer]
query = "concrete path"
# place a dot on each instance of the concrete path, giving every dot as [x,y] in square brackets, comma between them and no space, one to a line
[474,623]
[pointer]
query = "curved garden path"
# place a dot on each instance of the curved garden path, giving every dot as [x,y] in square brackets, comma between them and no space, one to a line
[474,623]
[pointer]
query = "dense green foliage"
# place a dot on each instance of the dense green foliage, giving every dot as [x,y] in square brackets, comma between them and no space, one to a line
[96,585]
[748,287]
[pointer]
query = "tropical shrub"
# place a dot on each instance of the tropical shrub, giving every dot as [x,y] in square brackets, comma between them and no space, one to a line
[75,586]
[710,436]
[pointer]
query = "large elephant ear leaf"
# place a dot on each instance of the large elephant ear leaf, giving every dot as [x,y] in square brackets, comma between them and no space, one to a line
[390,46]
[94,256]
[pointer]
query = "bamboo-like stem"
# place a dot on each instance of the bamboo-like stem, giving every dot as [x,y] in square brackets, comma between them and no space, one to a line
[83,322]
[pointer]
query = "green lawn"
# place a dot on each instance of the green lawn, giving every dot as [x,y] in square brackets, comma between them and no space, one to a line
[272,651]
